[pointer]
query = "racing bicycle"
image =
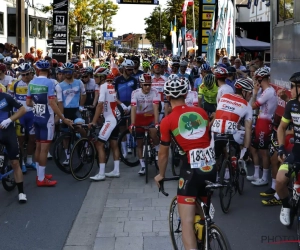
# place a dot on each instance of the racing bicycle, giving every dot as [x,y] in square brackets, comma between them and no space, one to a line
[6,171]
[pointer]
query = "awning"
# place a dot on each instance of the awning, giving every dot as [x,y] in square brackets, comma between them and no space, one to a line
[246,44]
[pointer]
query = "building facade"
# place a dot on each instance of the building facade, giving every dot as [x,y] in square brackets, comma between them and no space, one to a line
[260,13]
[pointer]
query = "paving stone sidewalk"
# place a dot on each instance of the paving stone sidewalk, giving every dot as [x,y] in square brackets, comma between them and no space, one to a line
[135,216]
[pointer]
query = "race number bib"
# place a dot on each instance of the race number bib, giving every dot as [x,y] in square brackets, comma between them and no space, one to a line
[230,127]
[39,109]
[200,158]
[217,126]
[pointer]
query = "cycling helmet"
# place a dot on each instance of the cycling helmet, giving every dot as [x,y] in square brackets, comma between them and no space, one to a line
[7,60]
[172,77]
[59,70]
[166,62]
[104,65]
[262,73]
[1,57]
[29,56]
[9,73]
[146,64]
[42,64]
[60,64]
[204,67]
[295,78]
[159,62]
[183,63]
[200,59]
[102,71]
[175,58]
[245,84]
[135,58]
[76,67]
[90,69]
[110,77]
[174,63]
[68,66]
[145,78]
[83,71]
[21,60]
[175,88]
[186,80]
[24,67]
[221,73]
[2,67]
[80,65]
[74,60]
[128,64]
[54,63]
[209,81]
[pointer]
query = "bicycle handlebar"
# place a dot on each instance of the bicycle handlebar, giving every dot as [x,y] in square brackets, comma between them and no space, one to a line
[161,184]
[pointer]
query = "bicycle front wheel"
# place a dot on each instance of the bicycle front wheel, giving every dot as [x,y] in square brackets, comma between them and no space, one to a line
[8,182]
[82,159]
[175,226]
[60,154]
[225,193]
[217,239]
[130,160]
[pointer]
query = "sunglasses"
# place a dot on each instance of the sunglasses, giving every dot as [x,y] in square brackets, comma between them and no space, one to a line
[136,62]
[156,66]
[68,72]
[147,85]
[27,74]
[84,76]
[129,69]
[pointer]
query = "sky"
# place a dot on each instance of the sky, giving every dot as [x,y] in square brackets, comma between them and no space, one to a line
[130,17]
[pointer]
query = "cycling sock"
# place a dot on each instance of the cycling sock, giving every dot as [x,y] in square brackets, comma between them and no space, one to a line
[37,168]
[273,184]
[142,163]
[276,196]
[116,166]
[256,171]
[67,155]
[20,187]
[124,147]
[102,169]
[29,159]
[41,175]
[285,202]
[265,174]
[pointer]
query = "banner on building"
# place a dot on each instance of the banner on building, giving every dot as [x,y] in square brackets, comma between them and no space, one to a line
[60,30]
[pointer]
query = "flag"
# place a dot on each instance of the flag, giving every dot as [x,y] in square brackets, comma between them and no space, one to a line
[190,2]
[249,4]
[179,43]
[184,6]
[174,28]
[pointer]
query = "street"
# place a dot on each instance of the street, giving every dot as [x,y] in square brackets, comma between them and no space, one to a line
[123,213]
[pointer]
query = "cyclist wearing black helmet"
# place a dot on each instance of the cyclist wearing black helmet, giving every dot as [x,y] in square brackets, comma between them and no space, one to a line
[291,115]
[136,71]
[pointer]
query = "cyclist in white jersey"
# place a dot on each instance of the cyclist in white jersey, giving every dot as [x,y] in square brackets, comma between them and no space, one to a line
[221,74]
[264,99]
[112,114]
[144,112]
[191,98]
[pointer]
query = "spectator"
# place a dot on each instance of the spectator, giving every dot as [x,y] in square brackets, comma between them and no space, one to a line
[32,51]
[252,69]
[238,65]
[222,55]
[217,55]
[6,51]
[232,59]
[39,53]
[259,62]
[225,60]
[231,79]
[14,51]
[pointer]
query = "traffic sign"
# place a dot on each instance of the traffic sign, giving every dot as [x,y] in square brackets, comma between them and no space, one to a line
[107,35]
[117,43]
[159,45]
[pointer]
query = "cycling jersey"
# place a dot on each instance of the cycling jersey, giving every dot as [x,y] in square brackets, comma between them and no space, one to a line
[124,88]
[90,88]
[6,81]
[230,110]
[186,76]
[69,94]
[40,90]
[7,104]
[224,89]
[191,99]
[292,114]
[137,74]
[18,90]
[2,88]
[158,83]
[210,95]
[197,84]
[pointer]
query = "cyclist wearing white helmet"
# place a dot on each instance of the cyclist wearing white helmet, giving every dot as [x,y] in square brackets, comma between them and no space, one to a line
[221,74]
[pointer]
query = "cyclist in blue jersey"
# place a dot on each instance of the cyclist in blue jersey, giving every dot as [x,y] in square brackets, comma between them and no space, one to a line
[183,66]
[124,86]
[41,97]
[8,137]
[71,97]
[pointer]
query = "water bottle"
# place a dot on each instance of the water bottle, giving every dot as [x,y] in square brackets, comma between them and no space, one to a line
[1,161]
[233,162]
[199,226]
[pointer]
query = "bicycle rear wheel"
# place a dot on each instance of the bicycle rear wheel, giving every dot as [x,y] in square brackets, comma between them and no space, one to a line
[217,239]
[82,159]
[59,152]
[130,160]
[225,193]
[175,226]
[8,182]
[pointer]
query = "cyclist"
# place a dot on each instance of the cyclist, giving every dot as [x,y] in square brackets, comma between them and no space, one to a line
[291,115]
[100,75]
[59,74]
[29,58]
[71,97]
[221,74]
[182,72]
[41,97]
[108,105]
[5,80]
[146,66]
[175,65]
[208,92]
[267,104]
[189,127]
[191,97]
[90,86]
[19,91]
[8,62]
[136,71]
[144,112]
[204,70]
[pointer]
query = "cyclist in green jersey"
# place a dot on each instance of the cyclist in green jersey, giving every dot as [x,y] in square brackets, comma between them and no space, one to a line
[207,95]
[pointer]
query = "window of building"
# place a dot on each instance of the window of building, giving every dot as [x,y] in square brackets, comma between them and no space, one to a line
[32,26]
[1,23]
[285,9]
[11,25]
[41,28]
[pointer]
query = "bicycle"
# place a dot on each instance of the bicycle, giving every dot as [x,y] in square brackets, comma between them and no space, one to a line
[83,153]
[206,232]
[231,175]
[149,152]
[6,171]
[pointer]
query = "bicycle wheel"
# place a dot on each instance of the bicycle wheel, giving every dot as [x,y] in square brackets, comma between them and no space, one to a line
[59,152]
[175,162]
[240,181]
[8,182]
[130,160]
[175,226]
[146,159]
[225,193]
[82,159]
[217,239]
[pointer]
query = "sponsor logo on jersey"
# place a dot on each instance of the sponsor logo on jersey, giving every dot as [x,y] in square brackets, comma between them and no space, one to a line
[206,169]
[231,102]
[131,83]
[38,89]
[189,200]
[296,118]
[180,183]
[296,128]
[105,128]
[227,107]
[261,139]
[191,125]
[3,103]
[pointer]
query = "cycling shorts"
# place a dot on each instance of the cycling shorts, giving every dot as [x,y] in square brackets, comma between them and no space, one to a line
[142,120]
[109,130]
[25,124]
[220,143]
[262,134]
[192,184]
[72,114]
[209,107]
[8,138]
[44,132]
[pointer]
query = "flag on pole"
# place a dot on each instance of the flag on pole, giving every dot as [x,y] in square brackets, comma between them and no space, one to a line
[179,43]
[171,29]
[174,28]
[190,2]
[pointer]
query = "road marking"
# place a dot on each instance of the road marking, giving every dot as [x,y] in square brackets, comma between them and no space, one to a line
[27,224]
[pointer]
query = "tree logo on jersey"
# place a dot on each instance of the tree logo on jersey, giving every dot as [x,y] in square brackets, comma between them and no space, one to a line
[192,125]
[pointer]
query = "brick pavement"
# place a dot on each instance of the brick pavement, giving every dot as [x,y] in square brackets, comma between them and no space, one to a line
[135,215]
